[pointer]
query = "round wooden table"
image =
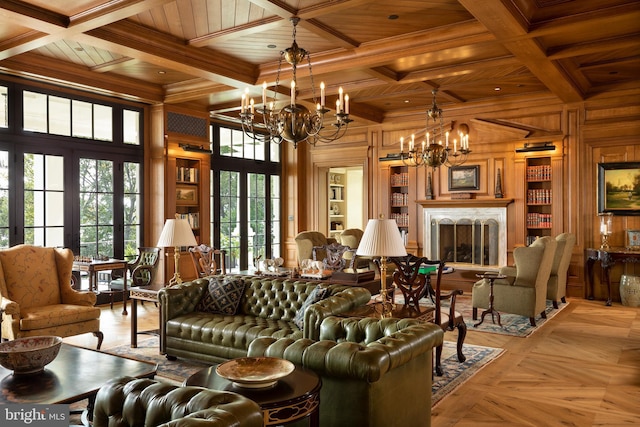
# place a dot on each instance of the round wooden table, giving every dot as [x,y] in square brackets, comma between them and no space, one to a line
[293,398]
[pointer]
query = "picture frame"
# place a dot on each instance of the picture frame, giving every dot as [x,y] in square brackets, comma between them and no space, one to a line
[633,240]
[619,188]
[464,178]
[186,195]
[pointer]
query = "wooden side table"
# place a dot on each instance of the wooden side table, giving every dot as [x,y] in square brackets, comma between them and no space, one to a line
[491,277]
[293,398]
[135,295]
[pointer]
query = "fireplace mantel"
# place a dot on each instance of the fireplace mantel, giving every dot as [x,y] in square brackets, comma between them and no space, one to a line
[465,203]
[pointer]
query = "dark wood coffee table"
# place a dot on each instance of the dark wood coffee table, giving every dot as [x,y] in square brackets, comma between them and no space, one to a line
[398,311]
[293,398]
[76,374]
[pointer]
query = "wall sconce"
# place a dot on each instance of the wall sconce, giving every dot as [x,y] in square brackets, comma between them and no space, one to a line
[605,228]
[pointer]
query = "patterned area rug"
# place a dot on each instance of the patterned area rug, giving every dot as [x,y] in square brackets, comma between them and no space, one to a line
[512,324]
[455,373]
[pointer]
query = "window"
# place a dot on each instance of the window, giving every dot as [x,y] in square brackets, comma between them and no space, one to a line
[4,107]
[4,199]
[55,189]
[44,206]
[245,198]
[58,115]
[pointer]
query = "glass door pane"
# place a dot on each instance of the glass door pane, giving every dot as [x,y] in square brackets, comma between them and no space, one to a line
[230,218]
[43,200]
[96,207]
[257,204]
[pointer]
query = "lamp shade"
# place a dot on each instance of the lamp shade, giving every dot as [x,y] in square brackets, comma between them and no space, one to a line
[176,232]
[381,238]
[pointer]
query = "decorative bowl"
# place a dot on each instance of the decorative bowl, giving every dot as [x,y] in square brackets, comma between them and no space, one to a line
[255,372]
[29,355]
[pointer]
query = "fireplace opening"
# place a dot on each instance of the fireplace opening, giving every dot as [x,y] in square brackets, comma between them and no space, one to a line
[472,237]
[467,241]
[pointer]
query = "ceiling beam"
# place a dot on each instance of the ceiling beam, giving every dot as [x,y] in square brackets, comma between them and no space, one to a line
[509,28]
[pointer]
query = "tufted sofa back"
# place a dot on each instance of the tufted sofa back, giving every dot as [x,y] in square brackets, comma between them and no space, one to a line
[274,298]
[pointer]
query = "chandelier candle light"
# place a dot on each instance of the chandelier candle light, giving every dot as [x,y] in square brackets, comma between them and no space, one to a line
[293,122]
[434,150]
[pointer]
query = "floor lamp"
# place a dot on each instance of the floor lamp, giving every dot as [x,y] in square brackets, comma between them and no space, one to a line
[382,239]
[176,233]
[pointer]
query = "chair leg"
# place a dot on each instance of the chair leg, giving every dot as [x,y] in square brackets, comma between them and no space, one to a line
[564,300]
[100,336]
[475,313]
[439,371]
[462,333]
[543,314]
[555,304]
[532,320]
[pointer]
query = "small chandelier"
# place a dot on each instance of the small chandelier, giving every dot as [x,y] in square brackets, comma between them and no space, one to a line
[293,122]
[434,150]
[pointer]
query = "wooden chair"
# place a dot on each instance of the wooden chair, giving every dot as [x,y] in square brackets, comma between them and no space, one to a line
[416,286]
[208,261]
[142,271]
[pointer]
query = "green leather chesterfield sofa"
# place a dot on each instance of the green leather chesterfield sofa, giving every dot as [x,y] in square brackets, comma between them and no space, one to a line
[129,402]
[375,372]
[267,309]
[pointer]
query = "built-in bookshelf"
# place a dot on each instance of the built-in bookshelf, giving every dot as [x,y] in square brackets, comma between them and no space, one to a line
[188,192]
[399,203]
[337,205]
[539,179]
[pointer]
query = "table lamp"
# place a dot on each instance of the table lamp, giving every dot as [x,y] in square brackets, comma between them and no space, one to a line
[382,239]
[176,233]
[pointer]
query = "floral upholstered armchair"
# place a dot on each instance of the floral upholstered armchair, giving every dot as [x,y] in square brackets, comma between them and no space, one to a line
[37,297]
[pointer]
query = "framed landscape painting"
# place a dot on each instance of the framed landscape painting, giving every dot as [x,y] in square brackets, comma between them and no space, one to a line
[619,188]
[463,178]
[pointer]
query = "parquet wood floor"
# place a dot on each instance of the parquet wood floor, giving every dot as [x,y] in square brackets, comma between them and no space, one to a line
[582,368]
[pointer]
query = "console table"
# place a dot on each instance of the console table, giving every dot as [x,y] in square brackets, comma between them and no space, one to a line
[607,257]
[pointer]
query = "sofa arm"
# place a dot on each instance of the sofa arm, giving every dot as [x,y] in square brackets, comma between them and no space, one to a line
[180,299]
[406,340]
[344,300]
[128,401]
[9,307]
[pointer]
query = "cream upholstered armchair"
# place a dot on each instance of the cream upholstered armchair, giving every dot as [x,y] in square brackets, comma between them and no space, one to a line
[37,297]
[524,290]
[557,286]
[306,240]
[351,237]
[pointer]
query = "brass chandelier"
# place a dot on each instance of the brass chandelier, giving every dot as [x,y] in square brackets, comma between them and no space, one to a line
[435,149]
[293,122]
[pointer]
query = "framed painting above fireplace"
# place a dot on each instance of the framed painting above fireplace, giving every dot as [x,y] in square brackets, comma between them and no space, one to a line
[464,178]
[619,188]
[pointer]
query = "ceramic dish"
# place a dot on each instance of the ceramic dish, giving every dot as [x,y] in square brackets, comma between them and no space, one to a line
[255,372]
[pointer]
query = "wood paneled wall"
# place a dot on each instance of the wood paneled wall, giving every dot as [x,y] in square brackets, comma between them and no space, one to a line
[605,129]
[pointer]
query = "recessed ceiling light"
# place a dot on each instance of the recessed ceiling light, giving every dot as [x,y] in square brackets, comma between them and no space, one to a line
[497,88]
[406,101]
[162,72]
[392,17]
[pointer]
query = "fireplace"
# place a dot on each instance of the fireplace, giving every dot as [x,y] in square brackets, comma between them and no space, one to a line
[470,234]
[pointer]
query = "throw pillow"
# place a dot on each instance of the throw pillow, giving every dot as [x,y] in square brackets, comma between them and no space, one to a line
[317,294]
[222,296]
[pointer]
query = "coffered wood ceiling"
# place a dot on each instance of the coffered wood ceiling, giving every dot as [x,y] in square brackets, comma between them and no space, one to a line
[204,53]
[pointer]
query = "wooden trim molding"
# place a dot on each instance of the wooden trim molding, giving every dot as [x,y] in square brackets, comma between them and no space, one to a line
[461,203]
